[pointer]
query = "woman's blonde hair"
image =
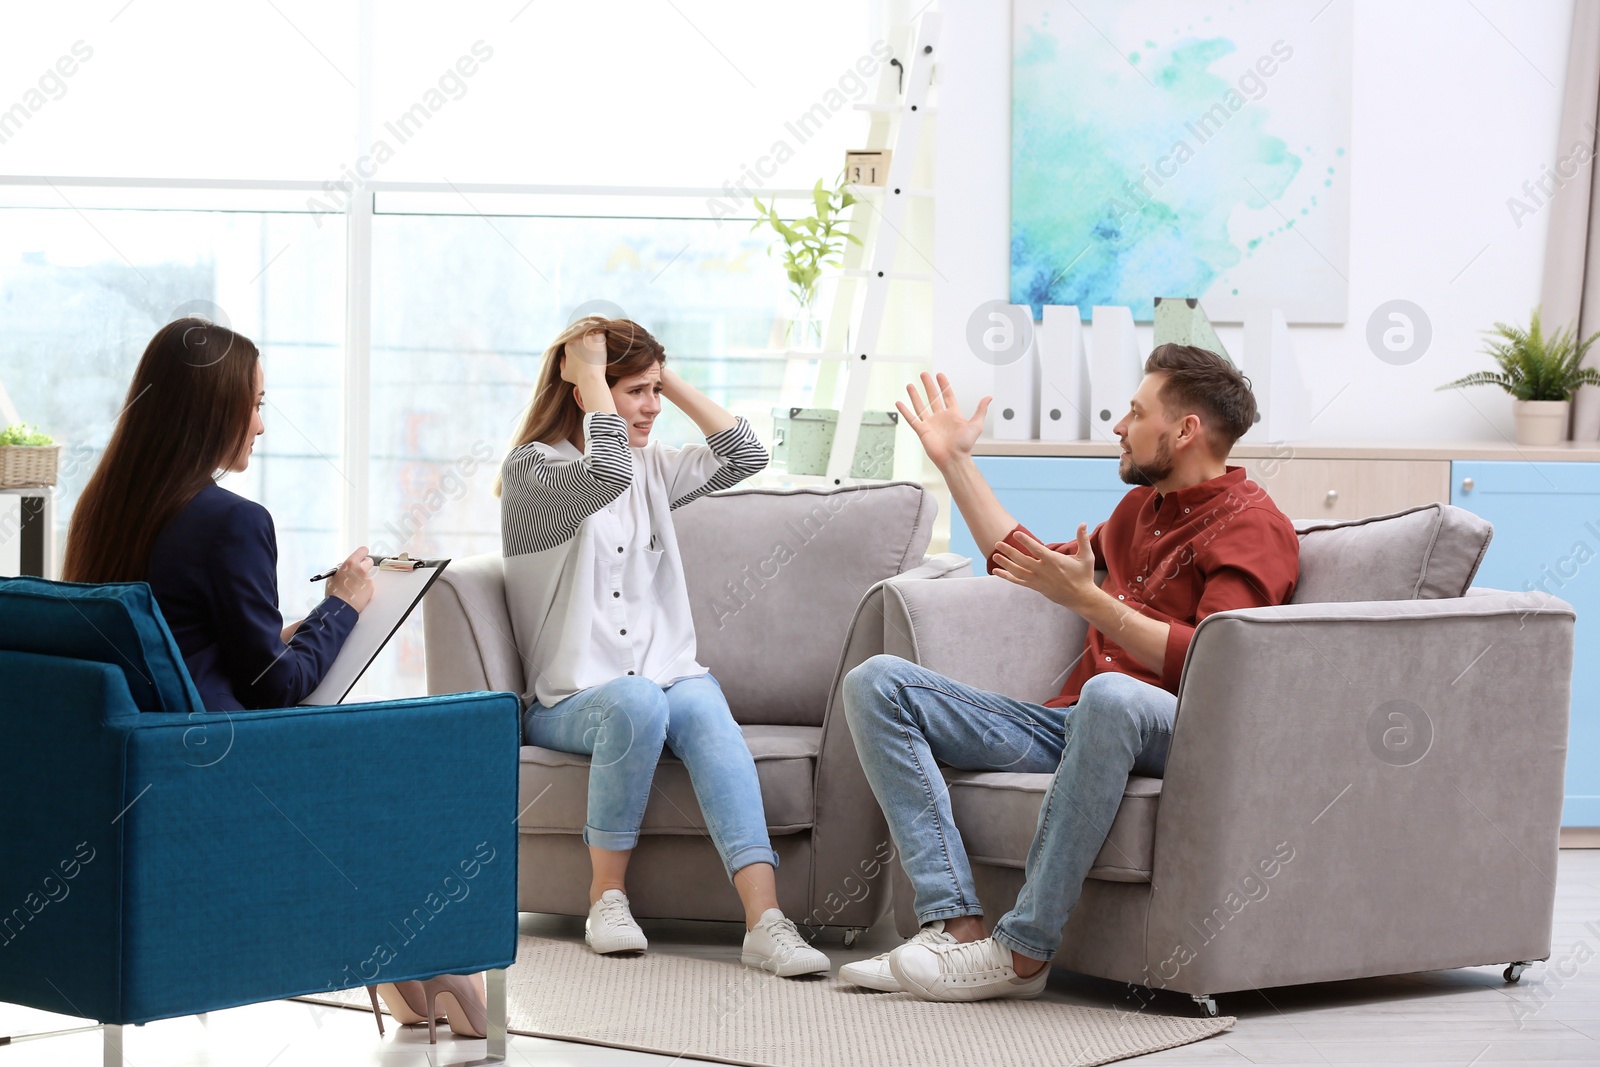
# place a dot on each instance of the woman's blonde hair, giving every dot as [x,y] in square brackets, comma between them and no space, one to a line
[553,414]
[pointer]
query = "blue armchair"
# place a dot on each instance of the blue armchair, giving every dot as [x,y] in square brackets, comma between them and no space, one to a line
[159,860]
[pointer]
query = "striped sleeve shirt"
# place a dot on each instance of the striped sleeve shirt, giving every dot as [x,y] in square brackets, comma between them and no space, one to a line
[594,580]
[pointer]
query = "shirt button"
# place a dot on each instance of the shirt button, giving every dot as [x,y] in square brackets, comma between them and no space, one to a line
[1186,511]
[619,548]
[1108,659]
[623,632]
[1121,597]
[1158,533]
[1140,578]
[630,672]
[616,594]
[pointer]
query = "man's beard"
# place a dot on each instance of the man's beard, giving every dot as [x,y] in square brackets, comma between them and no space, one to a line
[1158,469]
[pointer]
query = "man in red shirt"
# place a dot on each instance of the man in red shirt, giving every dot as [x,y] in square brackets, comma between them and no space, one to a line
[1194,537]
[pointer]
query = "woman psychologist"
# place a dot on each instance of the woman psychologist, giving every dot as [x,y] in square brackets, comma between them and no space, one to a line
[152,512]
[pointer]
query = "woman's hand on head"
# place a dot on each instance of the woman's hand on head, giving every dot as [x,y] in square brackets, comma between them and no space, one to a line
[671,384]
[352,582]
[584,359]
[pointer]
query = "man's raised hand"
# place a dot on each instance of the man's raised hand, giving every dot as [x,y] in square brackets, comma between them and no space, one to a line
[936,417]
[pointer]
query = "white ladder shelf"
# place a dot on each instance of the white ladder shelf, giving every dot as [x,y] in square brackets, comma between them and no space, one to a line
[898,128]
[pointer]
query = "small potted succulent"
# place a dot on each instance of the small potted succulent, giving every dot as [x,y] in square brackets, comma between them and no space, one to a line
[27,457]
[1541,372]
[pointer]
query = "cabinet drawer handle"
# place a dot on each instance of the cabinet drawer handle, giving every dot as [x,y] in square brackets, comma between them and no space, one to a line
[1333,497]
[1467,485]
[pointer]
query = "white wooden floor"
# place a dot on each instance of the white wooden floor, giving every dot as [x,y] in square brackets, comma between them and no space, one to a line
[1454,1018]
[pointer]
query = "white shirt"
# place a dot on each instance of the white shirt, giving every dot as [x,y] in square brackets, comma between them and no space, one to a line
[594,582]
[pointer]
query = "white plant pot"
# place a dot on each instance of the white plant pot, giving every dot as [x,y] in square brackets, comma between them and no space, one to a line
[1541,422]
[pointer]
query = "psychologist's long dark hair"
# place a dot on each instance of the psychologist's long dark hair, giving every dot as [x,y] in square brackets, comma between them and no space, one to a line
[187,416]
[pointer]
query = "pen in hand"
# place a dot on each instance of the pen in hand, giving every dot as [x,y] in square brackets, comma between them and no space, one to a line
[402,562]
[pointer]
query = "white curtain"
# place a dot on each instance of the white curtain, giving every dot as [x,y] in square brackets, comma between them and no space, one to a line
[1571,289]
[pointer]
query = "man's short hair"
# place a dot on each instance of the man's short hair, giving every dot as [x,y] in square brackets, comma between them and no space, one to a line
[1202,382]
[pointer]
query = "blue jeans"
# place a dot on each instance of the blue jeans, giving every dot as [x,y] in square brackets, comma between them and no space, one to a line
[904,717]
[622,726]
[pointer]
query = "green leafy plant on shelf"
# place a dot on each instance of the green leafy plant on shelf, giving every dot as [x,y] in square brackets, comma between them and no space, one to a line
[810,245]
[21,433]
[1533,365]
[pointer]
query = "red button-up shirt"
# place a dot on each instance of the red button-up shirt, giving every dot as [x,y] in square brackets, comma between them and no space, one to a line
[1215,546]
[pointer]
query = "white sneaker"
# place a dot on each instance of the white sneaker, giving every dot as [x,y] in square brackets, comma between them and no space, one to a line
[976,970]
[775,945]
[610,926]
[875,973]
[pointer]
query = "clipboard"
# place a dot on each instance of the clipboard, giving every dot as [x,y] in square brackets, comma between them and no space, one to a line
[394,595]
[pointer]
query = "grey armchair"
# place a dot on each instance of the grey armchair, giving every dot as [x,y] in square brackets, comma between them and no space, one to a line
[1367,781]
[784,585]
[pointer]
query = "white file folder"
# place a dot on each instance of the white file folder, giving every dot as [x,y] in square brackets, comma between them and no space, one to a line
[1282,400]
[1016,391]
[1063,375]
[1114,369]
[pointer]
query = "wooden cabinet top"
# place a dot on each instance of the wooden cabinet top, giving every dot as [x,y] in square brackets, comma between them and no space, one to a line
[1568,451]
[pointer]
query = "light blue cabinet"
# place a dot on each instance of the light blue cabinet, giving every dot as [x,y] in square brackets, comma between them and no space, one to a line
[1547,536]
[1049,495]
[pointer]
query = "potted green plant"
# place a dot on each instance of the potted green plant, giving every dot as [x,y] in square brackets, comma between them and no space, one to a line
[810,245]
[1541,372]
[27,457]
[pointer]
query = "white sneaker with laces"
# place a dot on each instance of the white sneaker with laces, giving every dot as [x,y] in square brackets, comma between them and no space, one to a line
[875,973]
[775,945]
[976,970]
[610,926]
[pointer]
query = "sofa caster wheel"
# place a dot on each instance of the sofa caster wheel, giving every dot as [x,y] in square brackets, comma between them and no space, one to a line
[1206,1004]
[1513,971]
[851,933]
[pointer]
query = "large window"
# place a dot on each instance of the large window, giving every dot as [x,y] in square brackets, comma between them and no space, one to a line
[517,159]
[462,309]
[84,289]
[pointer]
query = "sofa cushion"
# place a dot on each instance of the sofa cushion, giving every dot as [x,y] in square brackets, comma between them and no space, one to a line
[775,576]
[1424,553]
[116,623]
[555,786]
[998,812]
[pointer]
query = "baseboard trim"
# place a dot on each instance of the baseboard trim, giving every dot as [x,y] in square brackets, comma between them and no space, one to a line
[1580,837]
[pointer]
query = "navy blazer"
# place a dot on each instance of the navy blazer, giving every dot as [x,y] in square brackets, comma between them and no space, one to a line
[214,573]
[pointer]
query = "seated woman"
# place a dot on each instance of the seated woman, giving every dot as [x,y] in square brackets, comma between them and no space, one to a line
[152,512]
[601,616]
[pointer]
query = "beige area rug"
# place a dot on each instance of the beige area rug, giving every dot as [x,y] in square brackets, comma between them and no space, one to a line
[729,1013]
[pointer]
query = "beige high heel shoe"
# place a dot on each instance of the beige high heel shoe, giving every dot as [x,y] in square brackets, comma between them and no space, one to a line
[406,1001]
[460,998]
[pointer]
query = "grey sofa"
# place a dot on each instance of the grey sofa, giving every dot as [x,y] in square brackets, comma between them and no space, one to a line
[781,583]
[1366,781]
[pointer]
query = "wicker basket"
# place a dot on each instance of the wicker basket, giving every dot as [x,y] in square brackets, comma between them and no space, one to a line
[27,465]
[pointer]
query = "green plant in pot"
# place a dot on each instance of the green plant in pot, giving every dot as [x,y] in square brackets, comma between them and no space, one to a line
[1541,372]
[27,457]
[810,245]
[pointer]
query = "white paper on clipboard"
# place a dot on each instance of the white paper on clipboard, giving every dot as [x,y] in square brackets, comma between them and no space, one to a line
[394,595]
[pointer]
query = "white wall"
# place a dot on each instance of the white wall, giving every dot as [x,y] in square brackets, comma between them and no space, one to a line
[1452,111]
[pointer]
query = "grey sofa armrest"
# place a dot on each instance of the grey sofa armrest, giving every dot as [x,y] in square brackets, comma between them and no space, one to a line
[984,632]
[467,630]
[1380,780]
[938,565]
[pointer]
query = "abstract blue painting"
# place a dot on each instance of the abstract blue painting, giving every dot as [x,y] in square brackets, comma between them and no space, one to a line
[1161,150]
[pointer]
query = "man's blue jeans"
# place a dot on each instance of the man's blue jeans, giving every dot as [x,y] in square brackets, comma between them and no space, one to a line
[623,725]
[904,718]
